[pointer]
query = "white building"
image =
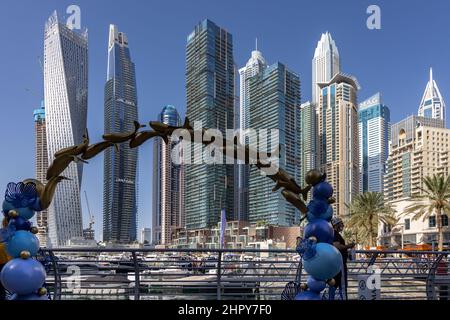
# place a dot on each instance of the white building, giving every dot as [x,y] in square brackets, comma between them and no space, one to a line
[146,235]
[325,64]
[254,65]
[65,95]
[338,140]
[432,104]
[419,147]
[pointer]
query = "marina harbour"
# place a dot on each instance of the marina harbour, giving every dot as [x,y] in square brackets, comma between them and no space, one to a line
[205,274]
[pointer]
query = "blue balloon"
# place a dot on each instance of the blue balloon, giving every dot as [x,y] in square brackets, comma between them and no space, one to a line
[25,212]
[23,276]
[7,206]
[22,224]
[321,229]
[325,264]
[322,191]
[327,215]
[315,285]
[307,295]
[317,207]
[20,241]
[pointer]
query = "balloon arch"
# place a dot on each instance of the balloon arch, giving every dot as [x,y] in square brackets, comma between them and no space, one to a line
[24,276]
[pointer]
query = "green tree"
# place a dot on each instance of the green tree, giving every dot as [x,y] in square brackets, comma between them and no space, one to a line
[433,200]
[365,212]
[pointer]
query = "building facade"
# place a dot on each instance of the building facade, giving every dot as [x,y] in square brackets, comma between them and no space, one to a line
[338,147]
[169,180]
[409,159]
[41,166]
[275,104]
[254,65]
[120,165]
[419,147]
[326,64]
[432,104]
[373,118]
[146,236]
[210,90]
[65,100]
[308,139]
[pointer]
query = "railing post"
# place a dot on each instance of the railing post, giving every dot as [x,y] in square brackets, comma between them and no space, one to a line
[431,277]
[136,277]
[219,276]
[57,294]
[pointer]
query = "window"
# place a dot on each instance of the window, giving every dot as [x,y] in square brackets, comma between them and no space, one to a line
[432,222]
[444,220]
[407,224]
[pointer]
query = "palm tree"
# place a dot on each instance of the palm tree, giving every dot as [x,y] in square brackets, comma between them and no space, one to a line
[365,212]
[434,198]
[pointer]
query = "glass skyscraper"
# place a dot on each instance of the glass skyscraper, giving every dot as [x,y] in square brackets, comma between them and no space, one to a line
[65,100]
[41,166]
[120,166]
[275,104]
[168,184]
[373,118]
[308,139]
[210,93]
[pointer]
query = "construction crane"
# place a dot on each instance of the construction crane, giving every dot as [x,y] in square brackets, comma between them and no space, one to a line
[91,217]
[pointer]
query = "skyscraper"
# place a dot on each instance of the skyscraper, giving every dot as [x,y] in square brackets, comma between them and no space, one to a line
[325,64]
[338,150]
[210,95]
[374,118]
[416,149]
[120,166]
[65,96]
[275,104]
[419,147]
[168,177]
[432,104]
[254,65]
[41,165]
[308,139]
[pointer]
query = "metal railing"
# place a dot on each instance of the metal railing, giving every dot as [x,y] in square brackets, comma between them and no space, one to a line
[160,274]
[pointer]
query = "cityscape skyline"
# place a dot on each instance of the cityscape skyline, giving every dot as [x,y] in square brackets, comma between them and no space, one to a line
[305,76]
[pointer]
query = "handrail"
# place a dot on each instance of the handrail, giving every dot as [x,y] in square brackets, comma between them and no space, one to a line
[187,250]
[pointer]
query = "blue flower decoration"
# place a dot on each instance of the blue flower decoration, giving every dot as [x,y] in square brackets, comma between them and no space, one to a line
[307,248]
[21,195]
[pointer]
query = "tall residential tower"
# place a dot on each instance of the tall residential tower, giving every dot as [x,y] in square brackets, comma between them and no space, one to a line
[168,178]
[325,64]
[65,100]
[373,118]
[338,147]
[120,165]
[41,167]
[432,104]
[275,104]
[254,65]
[210,92]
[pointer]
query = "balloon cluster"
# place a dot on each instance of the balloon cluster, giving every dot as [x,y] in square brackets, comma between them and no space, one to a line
[321,260]
[22,275]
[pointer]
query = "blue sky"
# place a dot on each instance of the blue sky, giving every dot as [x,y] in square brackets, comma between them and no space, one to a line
[394,60]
